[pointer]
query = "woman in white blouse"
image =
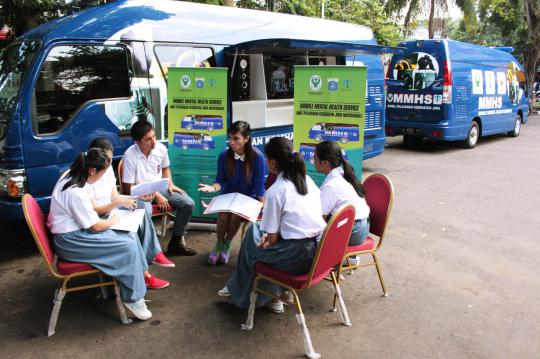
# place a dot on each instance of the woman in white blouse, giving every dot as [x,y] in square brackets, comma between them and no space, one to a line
[79,235]
[341,187]
[286,238]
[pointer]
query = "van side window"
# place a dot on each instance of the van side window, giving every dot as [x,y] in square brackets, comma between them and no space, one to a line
[174,56]
[417,70]
[73,75]
[165,56]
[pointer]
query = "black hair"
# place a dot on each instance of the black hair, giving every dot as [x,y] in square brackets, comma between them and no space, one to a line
[140,129]
[101,142]
[244,129]
[331,152]
[78,173]
[290,163]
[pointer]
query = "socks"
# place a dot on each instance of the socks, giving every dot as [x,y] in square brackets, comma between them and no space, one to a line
[227,245]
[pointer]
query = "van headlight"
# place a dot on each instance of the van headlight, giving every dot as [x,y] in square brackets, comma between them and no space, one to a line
[12,182]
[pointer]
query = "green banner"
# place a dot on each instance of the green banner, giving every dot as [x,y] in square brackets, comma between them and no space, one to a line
[329,104]
[197,116]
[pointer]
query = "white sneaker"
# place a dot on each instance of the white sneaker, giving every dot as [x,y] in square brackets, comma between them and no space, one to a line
[139,310]
[275,307]
[224,292]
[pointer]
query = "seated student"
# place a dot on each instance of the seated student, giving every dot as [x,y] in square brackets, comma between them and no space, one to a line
[241,169]
[147,160]
[286,238]
[105,198]
[79,235]
[341,187]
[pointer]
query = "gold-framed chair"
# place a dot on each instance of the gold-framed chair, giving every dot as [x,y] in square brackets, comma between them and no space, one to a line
[326,263]
[62,270]
[380,199]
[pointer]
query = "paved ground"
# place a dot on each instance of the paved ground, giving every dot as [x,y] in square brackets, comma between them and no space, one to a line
[461,262]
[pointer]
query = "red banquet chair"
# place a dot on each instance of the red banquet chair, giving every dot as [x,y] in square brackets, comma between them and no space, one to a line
[326,262]
[156,211]
[59,269]
[379,197]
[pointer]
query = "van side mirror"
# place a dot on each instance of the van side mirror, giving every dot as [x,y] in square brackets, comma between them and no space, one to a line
[393,82]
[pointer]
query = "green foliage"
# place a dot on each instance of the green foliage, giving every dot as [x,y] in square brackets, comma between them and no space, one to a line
[501,23]
[363,12]
[23,15]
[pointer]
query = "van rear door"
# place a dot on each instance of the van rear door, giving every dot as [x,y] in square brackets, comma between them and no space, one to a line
[421,70]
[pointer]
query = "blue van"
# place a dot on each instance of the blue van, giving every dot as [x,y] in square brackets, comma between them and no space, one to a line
[202,122]
[454,91]
[186,140]
[94,73]
[334,132]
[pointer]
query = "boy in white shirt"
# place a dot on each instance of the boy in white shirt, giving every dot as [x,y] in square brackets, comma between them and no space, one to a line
[148,160]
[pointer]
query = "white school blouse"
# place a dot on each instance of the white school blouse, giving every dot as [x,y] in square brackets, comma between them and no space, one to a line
[137,168]
[290,214]
[336,192]
[71,209]
[101,190]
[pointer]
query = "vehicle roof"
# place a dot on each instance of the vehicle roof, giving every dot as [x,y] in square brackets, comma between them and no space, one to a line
[177,21]
[472,53]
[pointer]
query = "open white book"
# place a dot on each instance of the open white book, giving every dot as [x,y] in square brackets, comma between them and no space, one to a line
[237,203]
[129,220]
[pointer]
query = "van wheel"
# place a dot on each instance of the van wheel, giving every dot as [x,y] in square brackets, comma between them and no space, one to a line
[205,147]
[517,127]
[184,147]
[472,135]
[210,129]
[318,138]
[189,128]
[343,140]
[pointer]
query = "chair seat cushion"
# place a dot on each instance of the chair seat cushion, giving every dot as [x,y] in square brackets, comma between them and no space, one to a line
[66,268]
[156,211]
[368,245]
[297,281]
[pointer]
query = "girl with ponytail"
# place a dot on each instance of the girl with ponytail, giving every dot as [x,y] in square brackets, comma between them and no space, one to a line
[79,235]
[340,187]
[241,169]
[286,238]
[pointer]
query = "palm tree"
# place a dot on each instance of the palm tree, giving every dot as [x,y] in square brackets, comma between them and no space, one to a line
[414,7]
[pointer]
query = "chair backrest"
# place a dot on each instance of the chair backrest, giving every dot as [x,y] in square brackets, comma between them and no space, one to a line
[379,197]
[38,227]
[120,171]
[333,243]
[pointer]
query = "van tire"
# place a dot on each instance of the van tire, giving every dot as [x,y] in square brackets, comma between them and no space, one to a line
[189,128]
[472,135]
[318,138]
[517,127]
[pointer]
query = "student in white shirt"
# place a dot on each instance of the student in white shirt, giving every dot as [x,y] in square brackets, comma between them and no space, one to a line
[341,187]
[286,238]
[105,198]
[79,235]
[148,160]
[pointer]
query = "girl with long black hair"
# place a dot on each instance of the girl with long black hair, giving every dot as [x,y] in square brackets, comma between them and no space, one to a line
[79,235]
[341,187]
[241,169]
[286,238]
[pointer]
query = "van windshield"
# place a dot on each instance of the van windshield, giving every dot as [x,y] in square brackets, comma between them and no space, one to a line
[14,62]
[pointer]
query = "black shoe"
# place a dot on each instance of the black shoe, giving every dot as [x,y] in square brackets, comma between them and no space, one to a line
[180,250]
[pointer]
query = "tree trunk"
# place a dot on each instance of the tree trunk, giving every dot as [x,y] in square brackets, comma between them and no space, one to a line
[230,3]
[431,26]
[531,54]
